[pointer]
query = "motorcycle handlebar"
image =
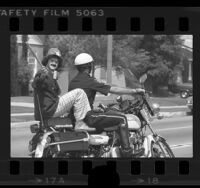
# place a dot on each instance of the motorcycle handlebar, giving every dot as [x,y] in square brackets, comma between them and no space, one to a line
[146,91]
[149,92]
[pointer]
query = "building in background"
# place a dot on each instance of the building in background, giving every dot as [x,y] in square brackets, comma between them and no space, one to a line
[185,75]
[188,53]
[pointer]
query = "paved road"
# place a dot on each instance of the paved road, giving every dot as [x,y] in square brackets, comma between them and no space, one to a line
[177,131]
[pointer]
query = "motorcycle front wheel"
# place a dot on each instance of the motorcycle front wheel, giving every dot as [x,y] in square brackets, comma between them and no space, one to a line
[47,153]
[160,149]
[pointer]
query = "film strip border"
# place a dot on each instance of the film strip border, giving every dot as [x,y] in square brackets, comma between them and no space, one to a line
[78,171]
[124,171]
[62,24]
[101,20]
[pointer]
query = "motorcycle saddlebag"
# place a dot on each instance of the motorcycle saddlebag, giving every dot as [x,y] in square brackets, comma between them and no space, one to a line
[70,141]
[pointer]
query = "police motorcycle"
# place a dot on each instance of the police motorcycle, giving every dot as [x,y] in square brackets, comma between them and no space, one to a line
[140,113]
[56,138]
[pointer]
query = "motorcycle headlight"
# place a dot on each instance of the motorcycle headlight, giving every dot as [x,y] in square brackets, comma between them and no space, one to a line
[156,108]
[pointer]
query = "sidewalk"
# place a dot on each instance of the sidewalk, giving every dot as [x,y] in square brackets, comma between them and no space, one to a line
[23,104]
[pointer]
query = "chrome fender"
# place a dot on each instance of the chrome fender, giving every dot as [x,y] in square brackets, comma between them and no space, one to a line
[147,145]
[115,152]
[98,139]
[41,145]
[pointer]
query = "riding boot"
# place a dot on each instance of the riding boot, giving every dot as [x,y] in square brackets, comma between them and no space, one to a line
[126,150]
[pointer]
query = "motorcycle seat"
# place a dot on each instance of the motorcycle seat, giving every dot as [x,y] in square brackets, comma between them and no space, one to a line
[87,129]
[59,122]
[114,128]
[92,129]
[63,126]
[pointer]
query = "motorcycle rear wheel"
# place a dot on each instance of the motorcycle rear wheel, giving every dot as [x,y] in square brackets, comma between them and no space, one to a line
[160,149]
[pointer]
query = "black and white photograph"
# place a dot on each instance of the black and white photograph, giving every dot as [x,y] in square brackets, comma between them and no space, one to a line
[101,96]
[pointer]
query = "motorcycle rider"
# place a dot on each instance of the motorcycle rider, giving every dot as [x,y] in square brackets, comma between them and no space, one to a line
[47,91]
[94,118]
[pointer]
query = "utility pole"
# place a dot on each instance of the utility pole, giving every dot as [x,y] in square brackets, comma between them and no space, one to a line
[190,70]
[109,59]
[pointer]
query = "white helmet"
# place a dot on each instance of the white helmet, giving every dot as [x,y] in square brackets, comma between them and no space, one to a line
[82,59]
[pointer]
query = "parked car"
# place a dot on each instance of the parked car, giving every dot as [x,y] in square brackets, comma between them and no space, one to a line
[190,103]
[188,95]
[178,88]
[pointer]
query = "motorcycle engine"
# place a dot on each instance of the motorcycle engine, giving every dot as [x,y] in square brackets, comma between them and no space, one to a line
[98,151]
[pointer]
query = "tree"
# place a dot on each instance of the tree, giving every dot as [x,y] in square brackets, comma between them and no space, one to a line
[129,58]
[156,55]
[72,45]
[24,47]
[24,76]
[14,70]
[24,71]
[165,53]
[46,44]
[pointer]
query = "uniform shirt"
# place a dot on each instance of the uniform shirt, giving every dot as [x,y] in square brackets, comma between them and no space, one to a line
[48,92]
[90,85]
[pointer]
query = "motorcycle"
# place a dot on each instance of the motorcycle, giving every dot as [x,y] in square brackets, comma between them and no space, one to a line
[56,138]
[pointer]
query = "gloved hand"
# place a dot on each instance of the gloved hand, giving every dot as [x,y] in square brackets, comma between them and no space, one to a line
[140,90]
[43,73]
[44,70]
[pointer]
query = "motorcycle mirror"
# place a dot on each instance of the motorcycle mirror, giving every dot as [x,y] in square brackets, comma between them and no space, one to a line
[119,99]
[143,78]
[184,94]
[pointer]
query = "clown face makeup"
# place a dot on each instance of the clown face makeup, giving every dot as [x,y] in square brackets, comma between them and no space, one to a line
[52,63]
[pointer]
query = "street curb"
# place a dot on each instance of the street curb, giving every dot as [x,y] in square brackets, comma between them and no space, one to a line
[23,124]
[172,107]
[22,104]
[22,114]
[172,114]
